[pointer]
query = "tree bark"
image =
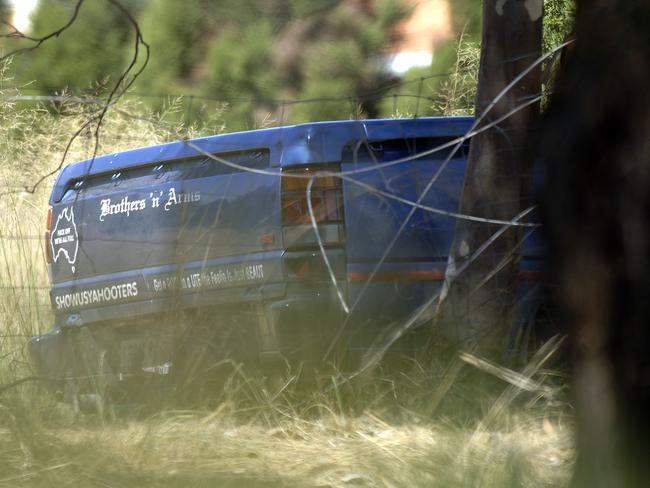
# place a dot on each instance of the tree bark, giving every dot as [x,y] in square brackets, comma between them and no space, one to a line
[498,177]
[596,147]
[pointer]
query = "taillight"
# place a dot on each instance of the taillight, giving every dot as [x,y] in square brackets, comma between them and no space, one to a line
[326,196]
[48,235]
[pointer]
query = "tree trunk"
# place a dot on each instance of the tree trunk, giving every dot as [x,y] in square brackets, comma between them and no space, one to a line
[498,177]
[596,147]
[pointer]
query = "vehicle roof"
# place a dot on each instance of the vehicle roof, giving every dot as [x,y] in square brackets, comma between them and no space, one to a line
[310,143]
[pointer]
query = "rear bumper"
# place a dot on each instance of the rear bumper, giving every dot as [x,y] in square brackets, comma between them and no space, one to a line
[288,319]
[50,354]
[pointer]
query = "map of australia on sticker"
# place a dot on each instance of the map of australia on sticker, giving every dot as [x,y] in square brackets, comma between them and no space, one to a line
[64,239]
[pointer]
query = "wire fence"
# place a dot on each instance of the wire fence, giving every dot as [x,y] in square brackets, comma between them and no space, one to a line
[343,175]
[481,124]
[407,95]
[90,94]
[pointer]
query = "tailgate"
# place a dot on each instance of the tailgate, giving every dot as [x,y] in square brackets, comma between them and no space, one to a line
[115,228]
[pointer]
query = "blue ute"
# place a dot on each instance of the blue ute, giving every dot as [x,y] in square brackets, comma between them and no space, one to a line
[253,245]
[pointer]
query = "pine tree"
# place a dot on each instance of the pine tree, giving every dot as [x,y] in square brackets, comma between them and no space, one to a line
[343,61]
[246,51]
[174,30]
[329,52]
[239,68]
[93,50]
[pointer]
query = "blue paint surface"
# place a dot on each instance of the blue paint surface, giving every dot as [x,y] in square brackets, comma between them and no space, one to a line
[167,226]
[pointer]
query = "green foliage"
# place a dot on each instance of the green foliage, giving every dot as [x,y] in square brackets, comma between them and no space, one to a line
[245,51]
[330,71]
[447,87]
[558,22]
[91,51]
[412,98]
[239,68]
[253,53]
[173,31]
[457,93]
[302,50]
[451,78]
[345,60]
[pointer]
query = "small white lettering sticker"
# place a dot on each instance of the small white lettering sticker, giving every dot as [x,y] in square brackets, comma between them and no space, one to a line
[126,207]
[215,278]
[64,239]
[96,296]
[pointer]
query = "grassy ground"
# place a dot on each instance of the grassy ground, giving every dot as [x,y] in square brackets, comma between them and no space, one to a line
[199,449]
[419,427]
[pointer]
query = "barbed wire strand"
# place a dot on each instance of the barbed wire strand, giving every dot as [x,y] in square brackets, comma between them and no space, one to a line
[367,95]
[353,181]
[345,175]
[434,178]
[34,86]
[415,205]
[416,316]
[311,180]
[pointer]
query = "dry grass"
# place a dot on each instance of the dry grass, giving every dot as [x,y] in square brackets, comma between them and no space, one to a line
[378,433]
[197,450]
[456,95]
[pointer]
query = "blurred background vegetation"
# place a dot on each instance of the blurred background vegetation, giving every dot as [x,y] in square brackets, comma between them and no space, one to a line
[257,58]
[234,63]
